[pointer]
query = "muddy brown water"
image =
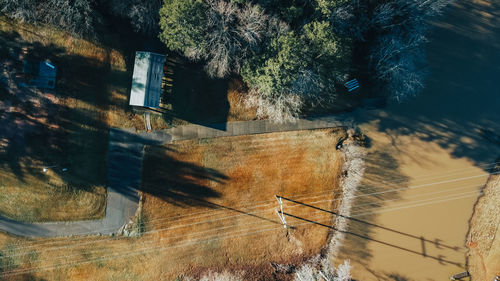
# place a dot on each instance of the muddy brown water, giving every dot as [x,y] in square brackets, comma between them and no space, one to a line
[431,145]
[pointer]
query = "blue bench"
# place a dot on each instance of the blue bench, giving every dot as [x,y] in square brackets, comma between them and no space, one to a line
[352,85]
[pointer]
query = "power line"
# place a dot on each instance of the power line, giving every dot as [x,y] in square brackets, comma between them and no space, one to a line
[146,250]
[333,200]
[329,193]
[218,209]
[198,233]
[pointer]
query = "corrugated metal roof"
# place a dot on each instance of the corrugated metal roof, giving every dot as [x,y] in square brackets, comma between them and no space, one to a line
[146,80]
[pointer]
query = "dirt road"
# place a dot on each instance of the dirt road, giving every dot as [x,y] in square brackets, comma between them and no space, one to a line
[431,145]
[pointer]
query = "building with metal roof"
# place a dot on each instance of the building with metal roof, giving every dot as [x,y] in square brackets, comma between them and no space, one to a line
[147,80]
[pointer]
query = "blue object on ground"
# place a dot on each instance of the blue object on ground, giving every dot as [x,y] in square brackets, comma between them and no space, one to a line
[352,85]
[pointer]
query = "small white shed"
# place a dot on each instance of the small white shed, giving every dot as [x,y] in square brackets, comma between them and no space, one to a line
[147,79]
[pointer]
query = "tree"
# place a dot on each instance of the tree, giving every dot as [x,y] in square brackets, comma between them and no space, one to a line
[143,15]
[322,38]
[398,61]
[285,69]
[330,57]
[396,56]
[232,34]
[275,70]
[219,32]
[272,76]
[327,7]
[183,25]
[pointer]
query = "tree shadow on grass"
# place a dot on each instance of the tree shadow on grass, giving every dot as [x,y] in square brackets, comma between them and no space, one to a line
[177,182]
[67,128]
[64,129]
[185,184]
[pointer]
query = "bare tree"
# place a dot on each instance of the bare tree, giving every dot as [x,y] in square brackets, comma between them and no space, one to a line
[326,271]
[77,16]
[22,10]
[351,19]
[253,25]
[315,92]
[397,59]
[397,56]
[224,44]
[232,33]
[278,107]
[143,15]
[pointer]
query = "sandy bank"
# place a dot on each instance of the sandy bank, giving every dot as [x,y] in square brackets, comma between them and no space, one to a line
[483,240]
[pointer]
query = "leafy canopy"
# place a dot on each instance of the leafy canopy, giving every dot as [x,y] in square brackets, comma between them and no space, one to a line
[275,69]
[183,23]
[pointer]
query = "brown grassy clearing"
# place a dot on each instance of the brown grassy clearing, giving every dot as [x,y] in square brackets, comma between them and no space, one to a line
[238,111]
[242,173]
[230,184]
[483,240]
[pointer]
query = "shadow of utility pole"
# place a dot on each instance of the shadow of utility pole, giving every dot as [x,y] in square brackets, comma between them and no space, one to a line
[219,206]
[441,259]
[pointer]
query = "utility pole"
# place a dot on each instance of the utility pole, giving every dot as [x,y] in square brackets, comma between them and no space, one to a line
[280,211]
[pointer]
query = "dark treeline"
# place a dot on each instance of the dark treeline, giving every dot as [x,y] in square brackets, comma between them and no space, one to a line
[292,54]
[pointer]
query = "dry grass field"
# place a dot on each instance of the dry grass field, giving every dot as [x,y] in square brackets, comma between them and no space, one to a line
[50,199]
[224,188]
[208,205]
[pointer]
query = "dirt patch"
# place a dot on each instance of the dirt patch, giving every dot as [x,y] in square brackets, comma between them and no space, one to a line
[483,239]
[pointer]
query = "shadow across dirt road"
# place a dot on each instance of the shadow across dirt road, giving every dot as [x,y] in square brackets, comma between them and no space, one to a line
[380,183]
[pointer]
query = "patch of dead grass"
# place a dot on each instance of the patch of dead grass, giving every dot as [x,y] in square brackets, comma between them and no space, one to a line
[53,199]
[238,110]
